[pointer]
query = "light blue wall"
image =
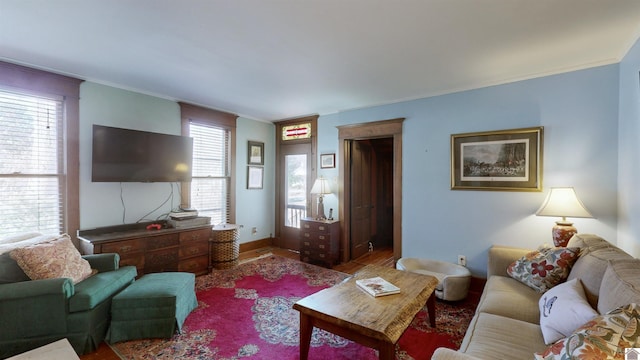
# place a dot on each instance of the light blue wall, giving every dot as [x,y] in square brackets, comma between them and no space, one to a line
[579,113]
[629,153]
[255,206]
[101,204]
[584,147]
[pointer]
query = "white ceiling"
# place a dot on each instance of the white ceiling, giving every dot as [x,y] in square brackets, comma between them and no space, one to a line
[277,59]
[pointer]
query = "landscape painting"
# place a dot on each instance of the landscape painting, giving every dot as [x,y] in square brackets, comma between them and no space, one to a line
[497,160]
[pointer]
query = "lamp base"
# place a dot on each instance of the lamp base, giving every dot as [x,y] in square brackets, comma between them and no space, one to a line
[320,215]
[562,233]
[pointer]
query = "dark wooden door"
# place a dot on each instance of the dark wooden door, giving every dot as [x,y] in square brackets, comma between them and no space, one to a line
[361,199]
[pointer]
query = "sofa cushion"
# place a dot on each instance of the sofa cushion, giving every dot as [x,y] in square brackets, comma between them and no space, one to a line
[588,242]
[545,268]
[19,237]
[100,287]
[23,240]
[508,297]
[604,337]
[10,272]
[563,309]
[591,265]
[496,337]
[620,285]
[57,258]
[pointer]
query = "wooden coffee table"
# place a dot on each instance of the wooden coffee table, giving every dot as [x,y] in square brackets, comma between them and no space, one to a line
[348,311]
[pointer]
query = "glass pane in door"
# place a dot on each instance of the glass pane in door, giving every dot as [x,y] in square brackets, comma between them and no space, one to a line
[296,189]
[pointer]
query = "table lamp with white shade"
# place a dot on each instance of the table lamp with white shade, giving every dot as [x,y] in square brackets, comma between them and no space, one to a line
[321,187]
[563,202]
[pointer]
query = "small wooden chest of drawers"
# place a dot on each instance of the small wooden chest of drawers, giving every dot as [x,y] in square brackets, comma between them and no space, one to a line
[319,241]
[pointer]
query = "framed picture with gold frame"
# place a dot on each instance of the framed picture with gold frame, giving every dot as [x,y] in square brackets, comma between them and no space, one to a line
[504,160]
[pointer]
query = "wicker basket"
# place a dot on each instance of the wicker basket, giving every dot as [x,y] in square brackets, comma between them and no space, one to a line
[225,249]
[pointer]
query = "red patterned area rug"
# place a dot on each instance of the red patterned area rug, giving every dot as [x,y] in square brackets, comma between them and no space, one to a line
[246,312]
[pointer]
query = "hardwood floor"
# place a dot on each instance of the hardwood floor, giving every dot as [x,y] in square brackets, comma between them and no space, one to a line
[382,257]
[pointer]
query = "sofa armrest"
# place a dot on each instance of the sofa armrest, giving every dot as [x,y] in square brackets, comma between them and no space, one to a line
[103,262]
[34,308]
[500,257]
[62,287]
[448,354]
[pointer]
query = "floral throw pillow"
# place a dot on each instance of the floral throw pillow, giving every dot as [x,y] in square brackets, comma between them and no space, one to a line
[605,337]
[545,268]
[57,258]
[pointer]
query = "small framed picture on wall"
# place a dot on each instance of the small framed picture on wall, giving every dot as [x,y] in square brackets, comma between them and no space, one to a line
[255,153]
[327,161]
[255,176]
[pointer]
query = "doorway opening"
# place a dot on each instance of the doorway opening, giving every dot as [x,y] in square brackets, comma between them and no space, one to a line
[370,205]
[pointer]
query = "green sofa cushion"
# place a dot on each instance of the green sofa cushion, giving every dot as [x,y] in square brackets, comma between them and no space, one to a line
[99,287]
[10,272]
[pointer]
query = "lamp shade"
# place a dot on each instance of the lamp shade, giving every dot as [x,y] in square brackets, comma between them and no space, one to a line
[563,202]
[321,186]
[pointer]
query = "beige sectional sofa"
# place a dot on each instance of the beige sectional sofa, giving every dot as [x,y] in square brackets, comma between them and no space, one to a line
[507,321]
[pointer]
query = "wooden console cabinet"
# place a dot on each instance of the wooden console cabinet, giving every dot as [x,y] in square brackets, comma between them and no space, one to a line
[319,241]
[167,249]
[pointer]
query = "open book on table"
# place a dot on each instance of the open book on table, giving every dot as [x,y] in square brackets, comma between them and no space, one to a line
[377,286]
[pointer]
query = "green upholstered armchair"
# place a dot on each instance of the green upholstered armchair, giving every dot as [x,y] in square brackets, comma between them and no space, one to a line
[38,312]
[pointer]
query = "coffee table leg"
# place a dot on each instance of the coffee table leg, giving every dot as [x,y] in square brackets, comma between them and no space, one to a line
[306,328]
[431,307]
[387,351]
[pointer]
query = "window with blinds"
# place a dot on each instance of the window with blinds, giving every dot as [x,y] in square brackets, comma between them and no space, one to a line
[32,171]
[211,172]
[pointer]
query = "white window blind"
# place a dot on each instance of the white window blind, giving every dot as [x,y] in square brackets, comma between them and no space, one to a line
[211,172]
[32,172]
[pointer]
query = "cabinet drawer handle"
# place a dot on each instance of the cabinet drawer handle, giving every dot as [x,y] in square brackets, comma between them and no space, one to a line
[321,255]
[307,243]
[194,251]
[321,246]
[321,227]
[195,237]
[306,226]
[306,235]
[307,252]
[321,237]
[126,248]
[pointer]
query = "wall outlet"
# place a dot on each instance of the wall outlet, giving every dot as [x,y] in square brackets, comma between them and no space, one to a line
[254,230]
[462,260]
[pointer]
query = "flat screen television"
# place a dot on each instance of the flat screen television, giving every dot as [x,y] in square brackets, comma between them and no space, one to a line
[124,155]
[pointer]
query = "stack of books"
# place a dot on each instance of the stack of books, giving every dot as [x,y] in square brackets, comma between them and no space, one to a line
[184,214]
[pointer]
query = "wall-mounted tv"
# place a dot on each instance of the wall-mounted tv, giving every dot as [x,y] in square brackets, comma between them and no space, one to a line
[124,155]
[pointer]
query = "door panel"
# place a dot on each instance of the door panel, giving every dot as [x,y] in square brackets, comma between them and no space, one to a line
[361,200]
[295,164]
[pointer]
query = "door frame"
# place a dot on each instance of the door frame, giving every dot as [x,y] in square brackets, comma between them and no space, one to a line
[376,129]
[279,200]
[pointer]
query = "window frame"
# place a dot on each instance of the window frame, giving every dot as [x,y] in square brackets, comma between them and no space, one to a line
[23,79]
[199,115]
